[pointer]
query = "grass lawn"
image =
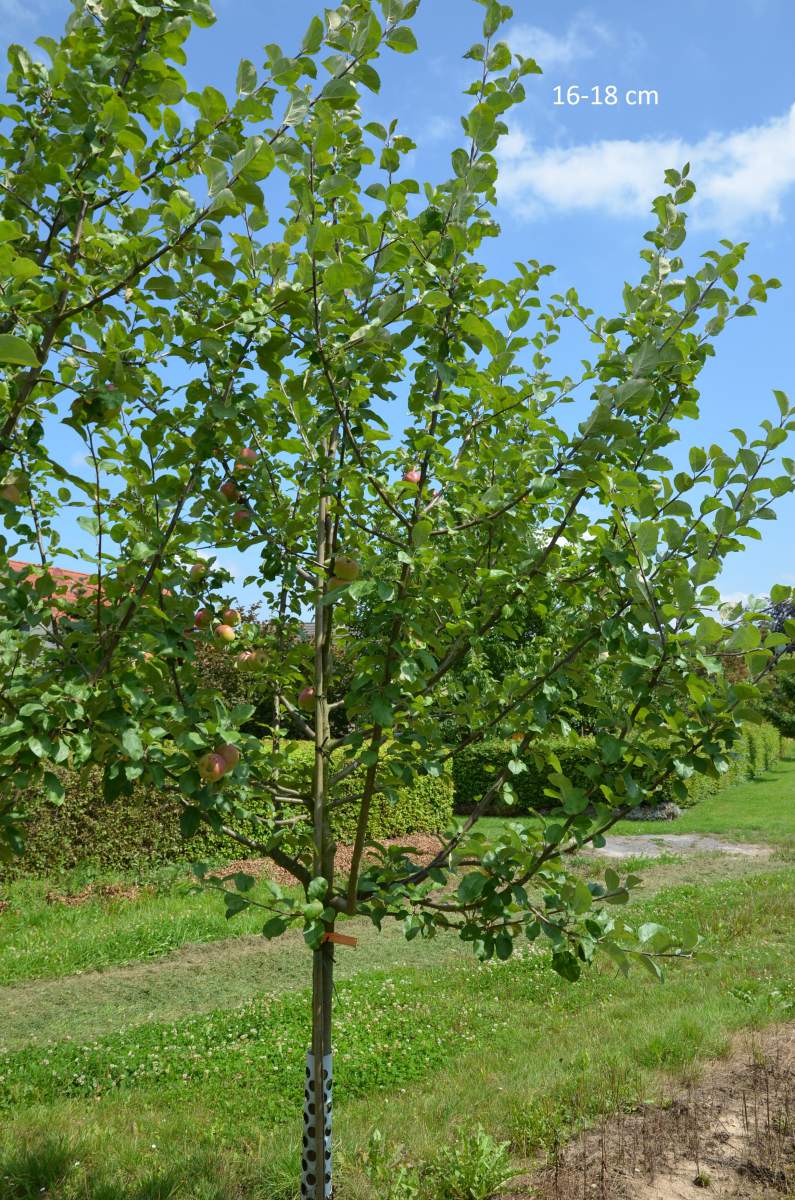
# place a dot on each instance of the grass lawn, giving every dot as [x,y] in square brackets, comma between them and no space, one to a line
[759,810]
[41,940]
[180,1075]
[202,1107]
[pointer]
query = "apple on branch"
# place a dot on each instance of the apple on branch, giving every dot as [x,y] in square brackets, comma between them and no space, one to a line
[212,767]
[230,754]
[231,616]
[246,459]
[249,660]
[203,618]
[225,633]
[242,518]
[306,698]
[412,475]
[346,569]
[229,490]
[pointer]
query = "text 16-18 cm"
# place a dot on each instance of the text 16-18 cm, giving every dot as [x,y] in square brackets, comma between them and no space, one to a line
[610,95]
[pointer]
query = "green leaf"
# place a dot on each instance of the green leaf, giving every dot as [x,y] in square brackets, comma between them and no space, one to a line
[189,821]
[471,887]
[698,459]
[275,927]
[402,39]
[246,81]
[382,712]
[746,637]
[16,350]
[313,38]
[114,115]
[53,788]
[480,124]
[421,532]
[132,744]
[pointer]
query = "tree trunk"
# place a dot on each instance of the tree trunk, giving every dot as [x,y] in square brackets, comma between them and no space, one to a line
[316,1174]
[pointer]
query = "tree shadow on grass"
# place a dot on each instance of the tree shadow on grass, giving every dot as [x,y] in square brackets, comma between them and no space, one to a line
[62,1168]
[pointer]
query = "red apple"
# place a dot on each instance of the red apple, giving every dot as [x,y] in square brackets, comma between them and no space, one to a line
[242,518]
[225,633]
[229,490]
[306,698]
[246,459]
[212,767]
[198,571]
[249,660]
[230,754]
[203,619]
[413,475]
[231,616]
[345,568]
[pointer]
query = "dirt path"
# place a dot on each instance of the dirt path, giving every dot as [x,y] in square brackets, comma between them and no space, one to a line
[653,845]
[732,1134]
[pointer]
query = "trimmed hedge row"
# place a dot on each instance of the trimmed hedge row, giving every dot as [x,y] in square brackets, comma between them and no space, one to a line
[142,830]
[425,805]
[474,770]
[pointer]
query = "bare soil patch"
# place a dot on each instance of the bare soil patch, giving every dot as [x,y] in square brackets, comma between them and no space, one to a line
[731,1134]
[422,847]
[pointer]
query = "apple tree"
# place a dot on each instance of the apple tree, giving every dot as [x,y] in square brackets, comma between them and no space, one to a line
[270,338]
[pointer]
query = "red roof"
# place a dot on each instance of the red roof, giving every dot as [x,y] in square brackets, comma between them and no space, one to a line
[70,585]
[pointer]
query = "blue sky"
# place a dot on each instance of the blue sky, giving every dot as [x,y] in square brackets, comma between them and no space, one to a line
[577,181]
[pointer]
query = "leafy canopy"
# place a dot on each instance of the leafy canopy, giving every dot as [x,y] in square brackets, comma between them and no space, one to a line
[269,275]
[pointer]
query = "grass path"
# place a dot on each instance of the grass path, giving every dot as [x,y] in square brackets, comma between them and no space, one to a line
[203,976]
[197,978]
[39,940]
[206,1108]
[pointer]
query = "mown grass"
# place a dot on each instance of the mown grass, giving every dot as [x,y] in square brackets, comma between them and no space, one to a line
[40,939]
[758,810]
[209,1107]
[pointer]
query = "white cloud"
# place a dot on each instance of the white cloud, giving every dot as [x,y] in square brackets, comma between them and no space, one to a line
[22,12]
[741,175]
[438,129]
[583,38]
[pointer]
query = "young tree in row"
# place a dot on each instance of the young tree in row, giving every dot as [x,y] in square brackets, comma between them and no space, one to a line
[338,387]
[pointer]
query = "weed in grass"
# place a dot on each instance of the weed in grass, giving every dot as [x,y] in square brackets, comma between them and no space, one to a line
[385,1167]
[474,1167]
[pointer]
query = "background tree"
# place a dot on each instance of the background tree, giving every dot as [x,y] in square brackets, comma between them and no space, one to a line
[356,380]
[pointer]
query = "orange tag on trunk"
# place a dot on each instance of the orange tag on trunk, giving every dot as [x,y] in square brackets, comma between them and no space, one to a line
[341,939]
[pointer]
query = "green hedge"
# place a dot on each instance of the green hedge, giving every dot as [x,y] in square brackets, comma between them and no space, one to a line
[474,769]
[424,806]
[131,833]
